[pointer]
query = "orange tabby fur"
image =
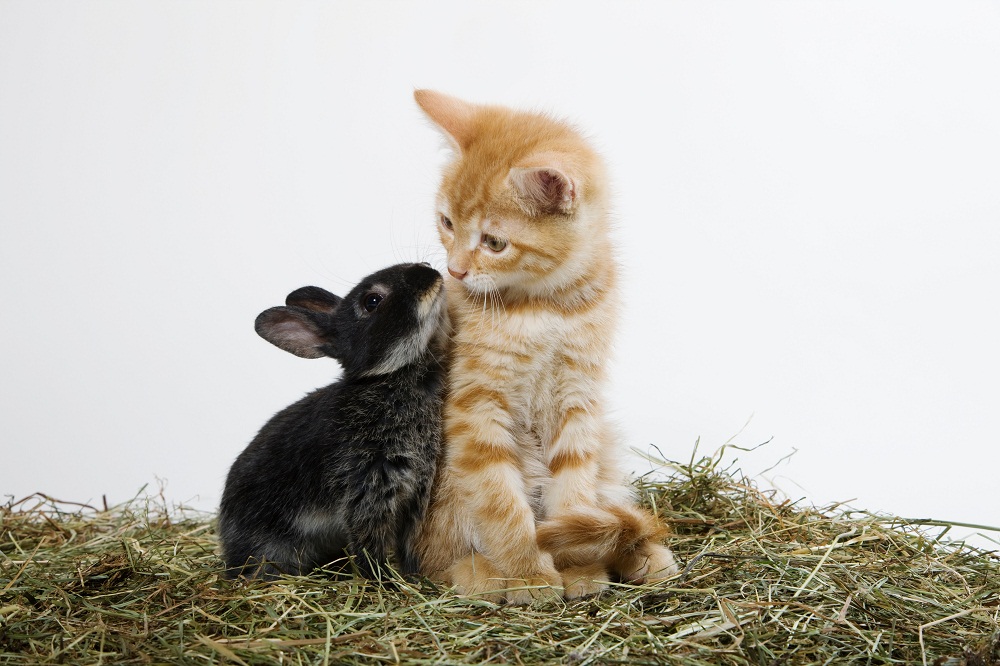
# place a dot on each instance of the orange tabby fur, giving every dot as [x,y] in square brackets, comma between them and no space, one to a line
[530,497]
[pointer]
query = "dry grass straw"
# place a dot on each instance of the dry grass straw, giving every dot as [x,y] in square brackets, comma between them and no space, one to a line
[766,582]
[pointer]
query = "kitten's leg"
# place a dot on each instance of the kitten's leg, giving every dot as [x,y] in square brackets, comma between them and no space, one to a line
[572,458]
[484,459]
[441,538]
[610,528]
[571,498]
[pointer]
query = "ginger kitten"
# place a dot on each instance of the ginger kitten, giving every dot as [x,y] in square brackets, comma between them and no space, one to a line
[529,496]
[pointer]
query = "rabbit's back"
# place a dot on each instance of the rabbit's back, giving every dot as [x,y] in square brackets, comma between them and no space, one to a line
[348,463]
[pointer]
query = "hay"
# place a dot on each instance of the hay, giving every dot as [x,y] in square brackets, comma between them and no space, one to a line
[766,582]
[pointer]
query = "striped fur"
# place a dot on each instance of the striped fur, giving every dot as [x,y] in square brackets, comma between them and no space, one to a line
[530,496]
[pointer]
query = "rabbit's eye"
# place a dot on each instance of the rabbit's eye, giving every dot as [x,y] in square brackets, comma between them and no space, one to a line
[371,301]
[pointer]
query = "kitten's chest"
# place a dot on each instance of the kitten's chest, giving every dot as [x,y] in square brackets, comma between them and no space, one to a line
[525,354]
[541,330]
[529,339]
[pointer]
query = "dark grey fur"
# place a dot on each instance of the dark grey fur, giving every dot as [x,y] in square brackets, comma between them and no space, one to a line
[348,468]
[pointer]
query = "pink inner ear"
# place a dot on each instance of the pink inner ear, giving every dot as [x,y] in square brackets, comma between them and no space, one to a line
[295,333]
[555,188]
[548,188]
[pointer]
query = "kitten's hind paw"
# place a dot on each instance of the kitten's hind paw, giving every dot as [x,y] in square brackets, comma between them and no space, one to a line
[584,581]
[650,563]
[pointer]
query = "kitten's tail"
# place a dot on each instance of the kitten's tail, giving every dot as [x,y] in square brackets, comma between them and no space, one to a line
[593,535]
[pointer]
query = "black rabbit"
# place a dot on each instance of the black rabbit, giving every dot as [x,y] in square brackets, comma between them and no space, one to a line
[347,469]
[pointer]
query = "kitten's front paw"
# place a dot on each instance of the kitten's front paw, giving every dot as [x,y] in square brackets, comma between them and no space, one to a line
[477,576]
[584,581]
[650,563]
[545,585]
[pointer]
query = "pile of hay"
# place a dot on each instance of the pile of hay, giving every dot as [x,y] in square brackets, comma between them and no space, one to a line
[766,582]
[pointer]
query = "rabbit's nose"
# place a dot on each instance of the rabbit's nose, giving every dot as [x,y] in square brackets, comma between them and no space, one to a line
[424,263]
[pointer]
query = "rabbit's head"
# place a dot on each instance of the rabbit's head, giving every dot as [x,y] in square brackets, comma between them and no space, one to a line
[386,322]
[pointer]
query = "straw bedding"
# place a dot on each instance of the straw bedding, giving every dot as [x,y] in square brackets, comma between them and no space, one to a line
[766,581]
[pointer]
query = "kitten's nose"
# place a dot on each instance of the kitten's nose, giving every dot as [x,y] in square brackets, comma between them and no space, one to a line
[455,274]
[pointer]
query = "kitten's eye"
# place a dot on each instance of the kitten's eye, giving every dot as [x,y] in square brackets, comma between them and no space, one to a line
[494,243]
[371,301]
[446,223]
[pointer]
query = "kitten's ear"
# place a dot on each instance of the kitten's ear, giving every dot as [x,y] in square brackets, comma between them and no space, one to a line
[452,115]
[298,331]
[543,189]
[313,298]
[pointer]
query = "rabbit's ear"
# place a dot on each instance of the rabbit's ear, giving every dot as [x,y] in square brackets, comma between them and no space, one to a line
[313,298]
[297,330]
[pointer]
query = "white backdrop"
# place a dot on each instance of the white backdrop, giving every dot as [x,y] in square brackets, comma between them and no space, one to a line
[806,195]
